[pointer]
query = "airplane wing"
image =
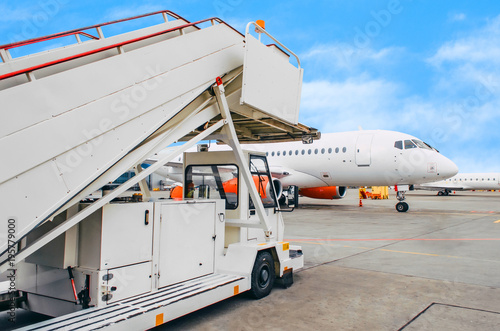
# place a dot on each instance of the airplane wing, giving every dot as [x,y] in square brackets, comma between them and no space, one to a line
[292,177]
[437,187]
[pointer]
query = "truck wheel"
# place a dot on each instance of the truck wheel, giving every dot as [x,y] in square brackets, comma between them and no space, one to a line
[262,275]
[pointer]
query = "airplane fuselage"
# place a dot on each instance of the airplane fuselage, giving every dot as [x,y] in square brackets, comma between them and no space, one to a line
[358,158]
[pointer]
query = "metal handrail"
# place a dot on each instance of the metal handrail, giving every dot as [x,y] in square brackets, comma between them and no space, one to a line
[77,31]
[269,35]
[102,49]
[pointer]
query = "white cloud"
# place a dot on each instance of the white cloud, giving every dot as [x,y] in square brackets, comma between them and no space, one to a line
[481,46]
[118,13]
[457,17]
[13,15]
[343,56]
[340,106]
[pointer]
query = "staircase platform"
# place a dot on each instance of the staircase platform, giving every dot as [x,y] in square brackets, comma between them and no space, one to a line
[180,299]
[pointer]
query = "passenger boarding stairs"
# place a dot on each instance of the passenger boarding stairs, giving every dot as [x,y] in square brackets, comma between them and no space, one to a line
[75,118]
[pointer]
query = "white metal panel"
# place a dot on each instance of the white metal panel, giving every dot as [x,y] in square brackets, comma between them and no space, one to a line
[29,189]
[270,83]
[129,281]
[363,149]
[186,241]
[126,238]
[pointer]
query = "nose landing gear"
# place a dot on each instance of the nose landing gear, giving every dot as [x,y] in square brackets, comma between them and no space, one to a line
[401,206]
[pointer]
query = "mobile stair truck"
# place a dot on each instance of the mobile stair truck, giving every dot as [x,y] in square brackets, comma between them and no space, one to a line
[75,118]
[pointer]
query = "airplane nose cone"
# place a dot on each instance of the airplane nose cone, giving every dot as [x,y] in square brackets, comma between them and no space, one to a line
[447,168]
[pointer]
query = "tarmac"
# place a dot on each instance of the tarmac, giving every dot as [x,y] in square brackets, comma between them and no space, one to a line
[436,267]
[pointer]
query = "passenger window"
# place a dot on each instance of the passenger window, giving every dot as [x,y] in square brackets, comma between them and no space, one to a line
[284,153]
[303,152]
[409,144]
[278,153]
[316,151]
[322,151]
[344,150]
[329,151]
[309,151]
[272,154]
[296,152]
[336,150]
[398,144]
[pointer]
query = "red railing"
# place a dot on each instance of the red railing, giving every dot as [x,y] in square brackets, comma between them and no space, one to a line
[80,31]
[102,49]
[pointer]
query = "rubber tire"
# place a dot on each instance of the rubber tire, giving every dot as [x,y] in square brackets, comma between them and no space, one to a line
[440,193]
[402,207]
[263,275]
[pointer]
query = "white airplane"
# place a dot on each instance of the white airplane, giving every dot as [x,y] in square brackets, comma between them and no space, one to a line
[324,168]
[465,182]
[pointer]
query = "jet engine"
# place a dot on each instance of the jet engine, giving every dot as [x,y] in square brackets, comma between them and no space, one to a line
[324,192]
[278,187]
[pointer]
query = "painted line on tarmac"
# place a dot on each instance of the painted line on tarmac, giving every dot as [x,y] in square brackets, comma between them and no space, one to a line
[497,221]
[415,253]
[401,239]
[385,250]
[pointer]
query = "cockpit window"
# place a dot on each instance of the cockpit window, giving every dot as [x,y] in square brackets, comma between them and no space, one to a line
[431,147]
[398,144]
[421,144]
[409,144]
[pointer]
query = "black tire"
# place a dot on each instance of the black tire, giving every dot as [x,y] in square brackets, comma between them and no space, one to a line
[402,207]
[262,275]
[282,200]
[440,193]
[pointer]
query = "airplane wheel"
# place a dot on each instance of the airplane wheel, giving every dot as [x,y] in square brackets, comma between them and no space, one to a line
[440,193]
[402,207]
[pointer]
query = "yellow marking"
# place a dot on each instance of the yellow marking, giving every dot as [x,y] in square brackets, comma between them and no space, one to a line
[286,268]
[381,249]
[236,290]
[264,244]
[286,246]
[159,319]
[415,253]
[497,221]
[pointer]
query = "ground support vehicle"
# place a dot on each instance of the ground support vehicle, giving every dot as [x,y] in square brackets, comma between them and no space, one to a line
[77,117]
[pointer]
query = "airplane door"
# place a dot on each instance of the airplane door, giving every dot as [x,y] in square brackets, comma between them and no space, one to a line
[363,149]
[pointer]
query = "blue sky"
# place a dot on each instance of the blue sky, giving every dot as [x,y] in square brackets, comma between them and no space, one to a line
[426,68]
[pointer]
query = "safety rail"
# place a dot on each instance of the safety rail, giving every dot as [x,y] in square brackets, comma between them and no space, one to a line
[116,45]
[262,30]
[98,27]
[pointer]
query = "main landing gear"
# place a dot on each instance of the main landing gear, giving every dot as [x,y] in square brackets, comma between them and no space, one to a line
[444,192]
